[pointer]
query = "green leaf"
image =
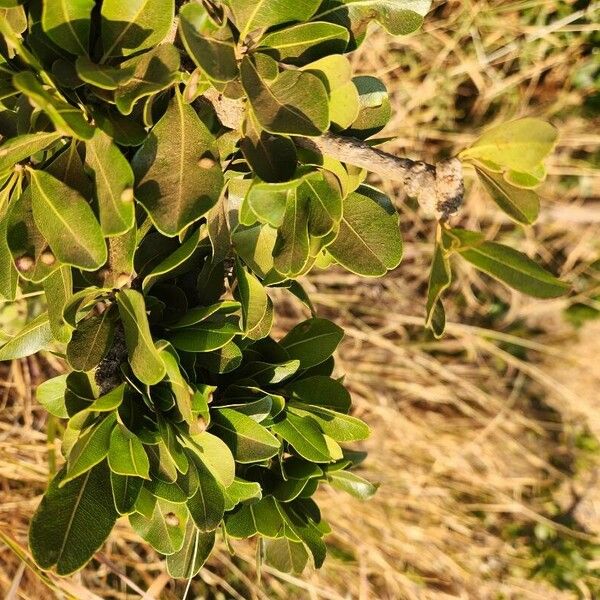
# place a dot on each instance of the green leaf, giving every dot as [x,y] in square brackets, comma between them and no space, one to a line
[90,449]
[126,491]
[325,201]
[312,342]
[520,145]
[345,102]
[19,148]
[58,288]
[128,27]
[67,166]
[306,42]
[153,72]
[440,279]
[249,442]
[320,390]
[67,119]
[510,266]
[369,241]
[352,484]
[253,298]
[305,436]
[519,204]
[35,336]
[91,341]
[51,395]
[102,76]
[398,17]
[285,555]
[206,336]
[126,455]
[145,360]
[295,103]
[114,184]
[339,427]
[241,491]
[261,517]
[66,220]
[215,455]
[207,505]
[210,47]
[61,535]
[197,547]
[178,180]
[375,109]
[67,23]
[165,529]
[250,15]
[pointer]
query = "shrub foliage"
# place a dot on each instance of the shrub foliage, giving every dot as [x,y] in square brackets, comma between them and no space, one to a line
[155,232]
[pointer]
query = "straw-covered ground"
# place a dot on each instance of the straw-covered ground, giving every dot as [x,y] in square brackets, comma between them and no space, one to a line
[486,442]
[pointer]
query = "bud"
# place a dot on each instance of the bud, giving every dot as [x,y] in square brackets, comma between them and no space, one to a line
[127,195]
[207,162]
[24,263]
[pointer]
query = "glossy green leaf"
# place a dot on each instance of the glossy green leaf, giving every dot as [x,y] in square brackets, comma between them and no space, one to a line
[285,555]
[114,184]
[90,449]
[206,336]
[128,27]
[68,22]
[352,484]
[215,455]
[58,288]
[440,278]
[375,109]
[51,395]
[19,148]
[145,360]
[197,546]
[322,391]
[91,341]
[305,436]
[102,76]
[60,535]
[296,103]
[312,342]
[339,427]
[178,180]
[126,491]
[369,241]
[261,517]
[67,222]
[249,442]
[126,455]
[35,336]
[207,505]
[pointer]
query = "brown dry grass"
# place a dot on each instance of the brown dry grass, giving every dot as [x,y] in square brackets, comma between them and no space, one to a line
[472,435]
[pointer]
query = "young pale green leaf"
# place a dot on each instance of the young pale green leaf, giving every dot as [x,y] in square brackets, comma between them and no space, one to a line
[211,48]
[102,76]
[215,455]
[128,27]
[178,178]
[145,360]
[58,288]
[66,220]
[67,119]
[306,42]
[165,529]
[91,341]
[521,205]
[114,184]
[352,484]
[440,278]
[126,454]
[295,103]
[197,547]
[261,517]
[126,491]
[35,336]
[253,298]
[369,241]
[153,71]
[511,267]
[324,197]
[520,145]
[67,23]
[312,342]
[320,390]
[19,148]
[345,102]
[51,395]
[207,505]
[398,17]
[285,555]
[62,535]
[90,449]
[241,491]
[249,441]
[250,15]
[305,436]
